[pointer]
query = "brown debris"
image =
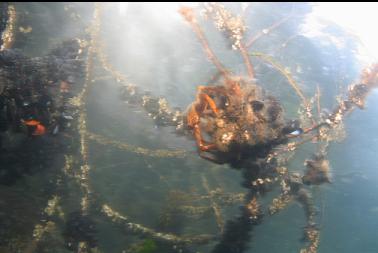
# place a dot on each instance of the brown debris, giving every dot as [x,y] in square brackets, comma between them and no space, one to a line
[312,234]
[254,209]
[317,171]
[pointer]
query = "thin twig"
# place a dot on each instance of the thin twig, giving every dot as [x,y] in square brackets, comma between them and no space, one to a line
[280,68]
[318,100]
[270,28]
[214,205]
[267,31]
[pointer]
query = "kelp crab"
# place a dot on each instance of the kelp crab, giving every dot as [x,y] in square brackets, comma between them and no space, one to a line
[240,117]
[237,115]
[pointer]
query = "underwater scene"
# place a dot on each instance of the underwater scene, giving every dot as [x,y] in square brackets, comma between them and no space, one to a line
[187,128]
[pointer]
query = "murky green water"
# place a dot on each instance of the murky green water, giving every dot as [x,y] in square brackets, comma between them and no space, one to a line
[157,50]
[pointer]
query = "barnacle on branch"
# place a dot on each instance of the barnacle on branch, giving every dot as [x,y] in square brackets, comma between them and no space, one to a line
[142,230]
[7,37]
[254,209]
[234,28]
[312,235]
[224,21]
[135,149]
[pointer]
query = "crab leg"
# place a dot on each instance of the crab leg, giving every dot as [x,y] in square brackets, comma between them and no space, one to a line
[198,107]
[194,119]
[210,102]
[205,98]
[201,144]
[189,15]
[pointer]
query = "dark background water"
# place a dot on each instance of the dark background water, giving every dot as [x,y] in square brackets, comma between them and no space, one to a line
[153,46]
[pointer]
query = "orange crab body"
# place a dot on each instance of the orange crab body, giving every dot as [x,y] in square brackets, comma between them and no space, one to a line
[232,115]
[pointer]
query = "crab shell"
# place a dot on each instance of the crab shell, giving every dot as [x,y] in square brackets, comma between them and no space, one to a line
[245,121]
